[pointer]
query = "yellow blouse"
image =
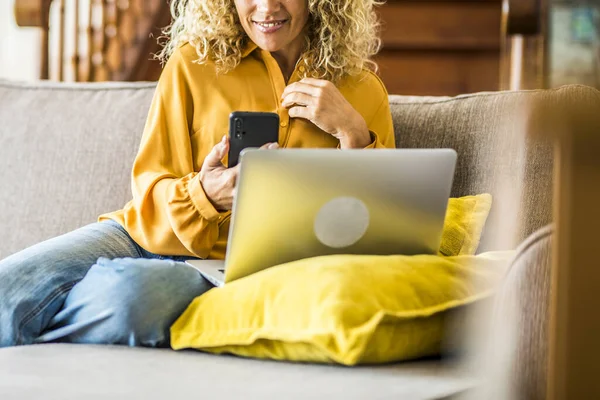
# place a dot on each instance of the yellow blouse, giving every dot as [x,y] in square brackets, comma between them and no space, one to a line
[169,213]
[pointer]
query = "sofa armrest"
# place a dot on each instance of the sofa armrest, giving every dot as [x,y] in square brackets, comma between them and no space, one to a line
[520,323]
[545,313]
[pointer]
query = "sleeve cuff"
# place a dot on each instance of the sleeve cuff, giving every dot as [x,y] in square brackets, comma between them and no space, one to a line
[201,201]
[375,143]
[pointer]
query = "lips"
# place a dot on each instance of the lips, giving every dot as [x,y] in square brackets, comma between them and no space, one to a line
[269,26]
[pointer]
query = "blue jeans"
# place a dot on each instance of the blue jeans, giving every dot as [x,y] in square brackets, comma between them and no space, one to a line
[93,285]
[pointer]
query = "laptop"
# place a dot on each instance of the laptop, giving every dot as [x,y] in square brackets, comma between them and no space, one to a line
[292,204]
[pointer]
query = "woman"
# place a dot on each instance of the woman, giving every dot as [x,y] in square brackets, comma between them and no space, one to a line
[122,280]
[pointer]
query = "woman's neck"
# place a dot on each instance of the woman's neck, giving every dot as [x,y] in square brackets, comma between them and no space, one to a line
[288,57]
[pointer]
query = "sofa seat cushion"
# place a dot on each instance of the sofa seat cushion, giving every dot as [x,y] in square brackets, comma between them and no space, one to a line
[69,372]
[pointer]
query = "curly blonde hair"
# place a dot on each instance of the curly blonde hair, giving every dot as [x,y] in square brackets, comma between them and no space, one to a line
[342,36]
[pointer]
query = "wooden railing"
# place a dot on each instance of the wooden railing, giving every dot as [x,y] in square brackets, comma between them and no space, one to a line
[96,40]
[523,38]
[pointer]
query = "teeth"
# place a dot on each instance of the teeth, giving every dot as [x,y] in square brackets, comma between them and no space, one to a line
[269,24]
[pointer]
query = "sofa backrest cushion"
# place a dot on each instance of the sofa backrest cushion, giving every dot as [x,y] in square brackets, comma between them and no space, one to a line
[67,152]
[499,152]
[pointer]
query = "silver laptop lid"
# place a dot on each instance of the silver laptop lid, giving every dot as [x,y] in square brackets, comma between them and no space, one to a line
[298,203]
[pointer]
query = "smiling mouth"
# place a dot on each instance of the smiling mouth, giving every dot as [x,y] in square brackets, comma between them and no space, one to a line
[270,24]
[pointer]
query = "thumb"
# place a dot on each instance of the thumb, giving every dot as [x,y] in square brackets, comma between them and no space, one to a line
[213,159]
[234,173]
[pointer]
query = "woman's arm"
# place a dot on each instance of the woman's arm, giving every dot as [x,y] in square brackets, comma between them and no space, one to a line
[171,211]
[381,127]
[320,102]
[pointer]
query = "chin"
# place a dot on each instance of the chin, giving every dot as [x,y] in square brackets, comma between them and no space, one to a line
[269,45]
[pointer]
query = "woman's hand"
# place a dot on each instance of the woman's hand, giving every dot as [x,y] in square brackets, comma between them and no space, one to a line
[320,102]
[218,181]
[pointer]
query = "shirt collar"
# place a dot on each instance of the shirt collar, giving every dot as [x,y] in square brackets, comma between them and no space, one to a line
[249,48]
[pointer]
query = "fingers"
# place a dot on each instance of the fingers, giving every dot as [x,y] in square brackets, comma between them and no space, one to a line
[316,82]
[300,99]
[235,171]
[302,87]
[213,159]
[302,112]
[270,146]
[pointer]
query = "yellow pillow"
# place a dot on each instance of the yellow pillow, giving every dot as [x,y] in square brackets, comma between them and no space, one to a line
[465,219]
[344,309]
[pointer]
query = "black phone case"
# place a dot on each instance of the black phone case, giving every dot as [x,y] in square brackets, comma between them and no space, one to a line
[250,129]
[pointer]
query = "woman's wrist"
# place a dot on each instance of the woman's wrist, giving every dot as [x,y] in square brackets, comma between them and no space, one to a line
[356,136]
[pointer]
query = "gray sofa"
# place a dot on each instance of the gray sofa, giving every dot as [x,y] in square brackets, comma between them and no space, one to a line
[66,153]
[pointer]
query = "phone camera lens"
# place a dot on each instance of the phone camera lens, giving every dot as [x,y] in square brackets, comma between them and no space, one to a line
[238,128]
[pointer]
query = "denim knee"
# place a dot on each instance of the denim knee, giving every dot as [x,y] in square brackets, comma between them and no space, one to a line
[131,301]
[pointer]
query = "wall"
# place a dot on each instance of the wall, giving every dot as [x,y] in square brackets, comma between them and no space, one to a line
[440,47]
[19,47]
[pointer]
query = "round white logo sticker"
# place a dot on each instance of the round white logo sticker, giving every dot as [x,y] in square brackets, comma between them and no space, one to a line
[341,222]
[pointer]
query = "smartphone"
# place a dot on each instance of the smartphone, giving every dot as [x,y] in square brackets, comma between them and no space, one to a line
[250,129]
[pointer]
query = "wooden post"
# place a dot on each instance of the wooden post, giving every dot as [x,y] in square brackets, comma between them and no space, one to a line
[523,44]
[61,40]
[35,13]
[75,59]
[575,320]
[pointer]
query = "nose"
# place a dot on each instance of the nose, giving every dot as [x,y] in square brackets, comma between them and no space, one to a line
[267,7]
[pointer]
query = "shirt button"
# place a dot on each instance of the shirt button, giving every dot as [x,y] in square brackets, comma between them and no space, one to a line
[283,123]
